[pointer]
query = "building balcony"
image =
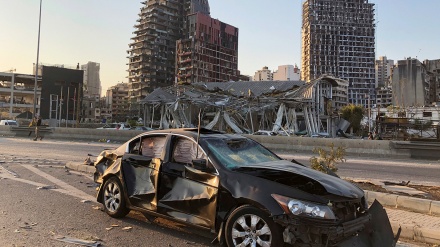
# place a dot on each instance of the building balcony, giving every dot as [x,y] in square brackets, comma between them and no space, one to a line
[185,61]
[19,105]
[29,91]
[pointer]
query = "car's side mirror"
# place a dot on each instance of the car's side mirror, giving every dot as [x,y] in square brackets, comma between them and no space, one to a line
[200,164]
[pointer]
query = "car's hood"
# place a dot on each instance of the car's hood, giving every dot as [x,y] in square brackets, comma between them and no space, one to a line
[331,184]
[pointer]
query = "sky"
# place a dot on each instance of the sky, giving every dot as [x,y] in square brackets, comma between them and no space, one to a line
[78,31]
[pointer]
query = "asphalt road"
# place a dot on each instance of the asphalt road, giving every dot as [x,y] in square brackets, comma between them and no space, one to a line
[424,172]
[33,214]
[42,201]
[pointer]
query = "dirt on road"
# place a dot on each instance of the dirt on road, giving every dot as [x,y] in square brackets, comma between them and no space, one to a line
[431,192]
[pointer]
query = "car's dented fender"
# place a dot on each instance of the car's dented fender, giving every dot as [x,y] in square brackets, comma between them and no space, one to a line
[113,170]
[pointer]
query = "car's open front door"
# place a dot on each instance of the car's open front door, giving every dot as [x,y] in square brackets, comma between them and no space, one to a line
[140,169]
[186,191]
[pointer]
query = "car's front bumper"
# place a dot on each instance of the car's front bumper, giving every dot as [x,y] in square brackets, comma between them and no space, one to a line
[371,229]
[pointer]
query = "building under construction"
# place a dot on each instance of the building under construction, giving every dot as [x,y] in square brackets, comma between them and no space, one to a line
[208,52]
[338,38]
[152,52]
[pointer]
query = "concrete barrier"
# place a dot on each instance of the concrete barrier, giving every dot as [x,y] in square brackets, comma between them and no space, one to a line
[93,134]
[360,147]
[5,130]
[282,144]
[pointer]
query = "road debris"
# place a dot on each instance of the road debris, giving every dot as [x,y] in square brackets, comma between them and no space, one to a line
[85,201]
[47,187]
[88,162]
[77,241]
[127,228]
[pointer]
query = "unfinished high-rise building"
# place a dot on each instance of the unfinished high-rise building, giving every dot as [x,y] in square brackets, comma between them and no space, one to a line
[338,38]
[410,84]
[151,53]
[208,52]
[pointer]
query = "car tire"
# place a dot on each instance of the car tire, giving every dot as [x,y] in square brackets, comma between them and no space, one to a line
[113,198]
[247,224]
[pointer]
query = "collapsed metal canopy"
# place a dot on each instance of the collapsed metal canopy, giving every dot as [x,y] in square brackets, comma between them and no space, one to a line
[237,100]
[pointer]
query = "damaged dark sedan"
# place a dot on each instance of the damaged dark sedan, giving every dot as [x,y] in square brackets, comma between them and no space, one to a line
[237,189]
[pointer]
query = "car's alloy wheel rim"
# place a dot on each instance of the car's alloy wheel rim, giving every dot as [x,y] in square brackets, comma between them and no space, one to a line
[112,197]
[251,230]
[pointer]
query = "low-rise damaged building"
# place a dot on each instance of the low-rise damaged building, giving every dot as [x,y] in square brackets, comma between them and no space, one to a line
[17,94]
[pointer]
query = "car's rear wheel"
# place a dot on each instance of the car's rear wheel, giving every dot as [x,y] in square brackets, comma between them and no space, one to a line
[249,226]
[114,198]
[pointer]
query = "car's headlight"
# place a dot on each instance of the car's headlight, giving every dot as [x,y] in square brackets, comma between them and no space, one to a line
[303,208]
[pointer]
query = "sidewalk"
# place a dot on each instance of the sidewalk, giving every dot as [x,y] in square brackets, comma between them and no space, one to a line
[418,218]
[415,226]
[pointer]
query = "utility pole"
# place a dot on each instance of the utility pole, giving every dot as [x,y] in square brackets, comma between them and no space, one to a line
[36,65]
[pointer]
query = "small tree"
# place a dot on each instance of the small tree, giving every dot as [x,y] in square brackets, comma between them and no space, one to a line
[353,114]
[132,122]
[327,158]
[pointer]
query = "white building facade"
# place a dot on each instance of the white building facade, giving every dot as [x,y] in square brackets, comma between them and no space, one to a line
[265,74]
[287,73]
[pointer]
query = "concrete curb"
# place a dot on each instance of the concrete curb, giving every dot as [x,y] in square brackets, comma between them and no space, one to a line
[80,167]
[417,205]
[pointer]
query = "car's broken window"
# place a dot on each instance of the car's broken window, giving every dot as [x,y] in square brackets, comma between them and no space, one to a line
[234,153]
[153,146]
[185,151]
[134,146]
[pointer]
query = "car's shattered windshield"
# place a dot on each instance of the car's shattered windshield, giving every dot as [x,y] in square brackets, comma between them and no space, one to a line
[239,152]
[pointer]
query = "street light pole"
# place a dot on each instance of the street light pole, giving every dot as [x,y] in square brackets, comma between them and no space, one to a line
[36,65]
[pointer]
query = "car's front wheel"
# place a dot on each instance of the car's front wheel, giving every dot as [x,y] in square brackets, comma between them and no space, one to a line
[249,226]
[114,199]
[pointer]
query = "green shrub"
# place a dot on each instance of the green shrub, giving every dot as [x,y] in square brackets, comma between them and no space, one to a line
[353,114]
[327,158]
[132,123]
